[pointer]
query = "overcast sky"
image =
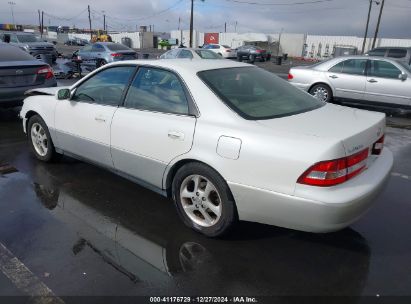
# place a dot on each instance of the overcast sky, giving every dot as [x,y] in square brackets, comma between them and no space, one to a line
[329,17]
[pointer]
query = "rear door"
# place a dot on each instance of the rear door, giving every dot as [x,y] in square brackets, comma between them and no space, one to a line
[348,78]
[385,86]
[83,122]
[154,126]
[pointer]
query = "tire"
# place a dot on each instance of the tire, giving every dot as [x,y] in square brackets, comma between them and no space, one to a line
[193,204]
[239,58]
[251,58]
[44,151]
[101,62]
[322,92]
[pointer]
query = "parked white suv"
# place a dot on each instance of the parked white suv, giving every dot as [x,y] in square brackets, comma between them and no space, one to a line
[224,50]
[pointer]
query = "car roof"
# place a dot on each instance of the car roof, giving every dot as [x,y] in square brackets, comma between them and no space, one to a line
[184,65]
[392,47]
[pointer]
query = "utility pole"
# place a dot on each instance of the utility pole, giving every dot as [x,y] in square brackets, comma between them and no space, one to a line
[104,20]
[89,21]
[42,23]
[12,12]
[378,24]
[191,23]
[179,23]
[41,34]
[235,28]
[225,27]
[368,22]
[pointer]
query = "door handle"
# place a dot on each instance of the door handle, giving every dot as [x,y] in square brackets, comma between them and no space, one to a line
[333,76]
[100,119]
[372,81]
[176,135]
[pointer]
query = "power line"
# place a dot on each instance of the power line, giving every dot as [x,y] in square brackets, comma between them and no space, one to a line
[279,4]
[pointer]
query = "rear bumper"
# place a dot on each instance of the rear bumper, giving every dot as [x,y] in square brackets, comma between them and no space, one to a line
[301,86]
[13,97]
[315,209]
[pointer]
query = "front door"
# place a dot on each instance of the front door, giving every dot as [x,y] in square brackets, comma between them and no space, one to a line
[83,122]
[153,127]
[384,84]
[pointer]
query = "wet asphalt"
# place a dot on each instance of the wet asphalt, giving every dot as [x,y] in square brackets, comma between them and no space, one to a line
[84,231]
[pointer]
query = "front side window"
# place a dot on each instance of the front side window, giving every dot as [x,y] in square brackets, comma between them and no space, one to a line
[257,94]
[397,53]
[157,90]
[185,54]
[383,69]
[87,48]
[106,87]
[350,66]
[98,48]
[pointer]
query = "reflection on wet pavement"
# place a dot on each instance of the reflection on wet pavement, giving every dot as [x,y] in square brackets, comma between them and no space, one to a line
[95,233]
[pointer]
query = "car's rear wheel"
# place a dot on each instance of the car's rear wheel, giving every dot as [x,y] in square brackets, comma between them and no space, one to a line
[40,139]
[322,92]
[203,200]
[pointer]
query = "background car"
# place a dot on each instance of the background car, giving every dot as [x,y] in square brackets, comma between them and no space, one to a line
[77,42]
[374,80]
[258,152]
[19,72]
[101,53]
[402,54]
[252,53]
[30,43]
[198,53]
[223,50]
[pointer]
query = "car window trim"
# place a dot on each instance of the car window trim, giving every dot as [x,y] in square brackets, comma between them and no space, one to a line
[73,90]
[192,106]
[371,76]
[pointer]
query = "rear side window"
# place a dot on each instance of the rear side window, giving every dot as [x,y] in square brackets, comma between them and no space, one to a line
[98,48]
[185,54]
[350,66]
[117,47]
[383,69]
[257,94]
[157,90]
[377,52]
[397,53]
[206,54]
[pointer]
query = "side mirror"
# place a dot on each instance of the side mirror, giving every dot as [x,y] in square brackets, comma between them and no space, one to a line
[403,76]
[63,94]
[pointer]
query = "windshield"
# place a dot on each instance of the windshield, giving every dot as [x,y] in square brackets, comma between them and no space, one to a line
[206,54]
[257,94]
[117,47]
[27,38]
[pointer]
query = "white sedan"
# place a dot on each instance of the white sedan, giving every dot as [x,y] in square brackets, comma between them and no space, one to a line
[227,141]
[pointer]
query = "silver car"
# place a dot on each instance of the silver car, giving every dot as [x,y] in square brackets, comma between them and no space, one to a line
[185,53]
[375,80]
[101,53]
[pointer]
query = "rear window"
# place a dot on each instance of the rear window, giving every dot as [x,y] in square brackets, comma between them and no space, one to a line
[117,47]
[397,53]
[11,53]
[377,52]
[256,94]
[28,38]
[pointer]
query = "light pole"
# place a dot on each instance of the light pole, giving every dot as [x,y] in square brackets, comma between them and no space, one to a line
[368,22]
[191,22]
[378,24]
[12,13]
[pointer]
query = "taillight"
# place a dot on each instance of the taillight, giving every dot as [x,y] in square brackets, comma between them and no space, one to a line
[259,51]
[334,172]
[377,146]
[115,54]
[290,76]
[47,71]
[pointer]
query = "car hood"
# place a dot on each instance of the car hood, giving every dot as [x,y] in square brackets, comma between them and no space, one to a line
[356,129]
[44,91]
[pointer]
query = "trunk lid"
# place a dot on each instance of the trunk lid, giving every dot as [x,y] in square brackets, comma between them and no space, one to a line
[356,129]
[20,73]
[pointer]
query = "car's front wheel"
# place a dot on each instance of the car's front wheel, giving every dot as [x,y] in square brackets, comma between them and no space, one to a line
[322,92]
[40,139]
[203,200]
[101,62]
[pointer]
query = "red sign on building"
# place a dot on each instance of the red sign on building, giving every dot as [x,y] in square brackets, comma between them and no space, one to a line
[211,38]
